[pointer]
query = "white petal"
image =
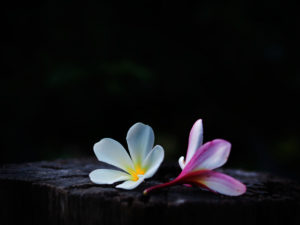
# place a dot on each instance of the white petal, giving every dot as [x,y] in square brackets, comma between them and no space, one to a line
[181,162]
[112,152]
[153,161]
[140,140]
[130,184]
[195,139]
[106,176]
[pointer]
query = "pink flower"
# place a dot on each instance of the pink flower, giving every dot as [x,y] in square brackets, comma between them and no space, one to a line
[201,160]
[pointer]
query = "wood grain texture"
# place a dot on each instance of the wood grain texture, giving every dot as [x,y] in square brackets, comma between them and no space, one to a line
[60,192]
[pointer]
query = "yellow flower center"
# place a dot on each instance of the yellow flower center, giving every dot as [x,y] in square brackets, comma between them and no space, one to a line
[138,171]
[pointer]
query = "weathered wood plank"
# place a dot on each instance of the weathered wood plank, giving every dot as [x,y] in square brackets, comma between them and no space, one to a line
[60,192]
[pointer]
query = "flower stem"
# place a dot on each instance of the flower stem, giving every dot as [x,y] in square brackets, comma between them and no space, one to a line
[146,191]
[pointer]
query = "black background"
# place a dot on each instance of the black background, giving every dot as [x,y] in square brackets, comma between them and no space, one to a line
[74,73]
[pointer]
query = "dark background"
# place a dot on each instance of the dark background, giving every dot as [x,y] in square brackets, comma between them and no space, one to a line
[75,73]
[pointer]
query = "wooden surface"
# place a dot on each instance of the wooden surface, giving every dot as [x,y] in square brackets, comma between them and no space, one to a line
[60,192]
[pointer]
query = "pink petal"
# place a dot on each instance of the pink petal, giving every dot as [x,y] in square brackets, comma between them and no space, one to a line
[211,155]
[195,140]
[211,180]
[216,182]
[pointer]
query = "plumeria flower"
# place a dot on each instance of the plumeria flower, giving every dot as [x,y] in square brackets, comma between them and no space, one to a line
[143,162]
[197,167]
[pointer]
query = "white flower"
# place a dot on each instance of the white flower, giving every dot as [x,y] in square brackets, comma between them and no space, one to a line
[143,162]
